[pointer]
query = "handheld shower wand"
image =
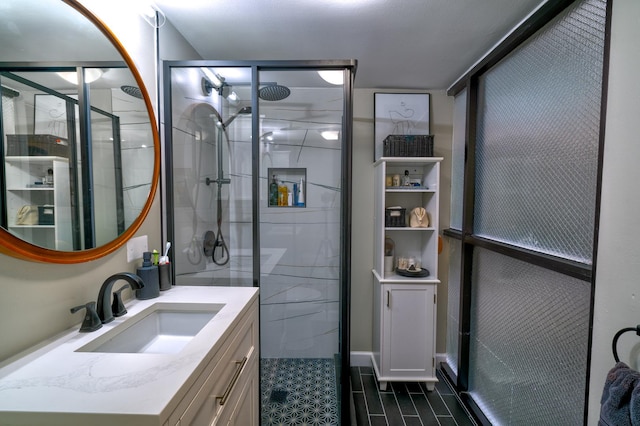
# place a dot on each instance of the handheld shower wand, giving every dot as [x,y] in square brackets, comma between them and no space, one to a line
[218,248]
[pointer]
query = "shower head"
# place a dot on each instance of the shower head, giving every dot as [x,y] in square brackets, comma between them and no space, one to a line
[274,92]
[132,91]
[241,111]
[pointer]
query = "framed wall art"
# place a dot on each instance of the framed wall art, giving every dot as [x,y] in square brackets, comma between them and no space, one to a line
[399,114]
[50,116]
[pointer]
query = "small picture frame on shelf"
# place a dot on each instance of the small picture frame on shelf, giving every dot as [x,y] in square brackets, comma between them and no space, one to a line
[402,115]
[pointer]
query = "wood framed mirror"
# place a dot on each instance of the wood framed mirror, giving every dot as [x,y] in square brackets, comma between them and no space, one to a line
[79,159]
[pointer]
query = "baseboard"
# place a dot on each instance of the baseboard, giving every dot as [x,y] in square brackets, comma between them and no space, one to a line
[363,359]
[360,359]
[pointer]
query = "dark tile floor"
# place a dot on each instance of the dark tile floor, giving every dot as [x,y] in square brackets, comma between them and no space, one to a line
[404,404]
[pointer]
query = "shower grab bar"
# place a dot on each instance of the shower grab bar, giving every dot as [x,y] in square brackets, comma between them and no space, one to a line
[617,336]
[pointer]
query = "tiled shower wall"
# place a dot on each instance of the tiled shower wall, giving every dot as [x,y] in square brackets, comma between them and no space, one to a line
[299,283]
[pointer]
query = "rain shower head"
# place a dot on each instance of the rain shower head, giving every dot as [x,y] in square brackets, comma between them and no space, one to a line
[132,91]
[9,92]
[274,92]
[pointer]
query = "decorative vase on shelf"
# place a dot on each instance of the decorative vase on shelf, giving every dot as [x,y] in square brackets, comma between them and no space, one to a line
[389,247]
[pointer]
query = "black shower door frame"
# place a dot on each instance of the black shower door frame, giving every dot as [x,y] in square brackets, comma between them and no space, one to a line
[166,182]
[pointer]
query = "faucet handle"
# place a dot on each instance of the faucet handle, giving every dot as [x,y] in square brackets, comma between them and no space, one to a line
[91,319]
[117,306]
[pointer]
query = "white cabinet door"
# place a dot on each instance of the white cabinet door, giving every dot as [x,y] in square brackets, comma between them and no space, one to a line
[408,325]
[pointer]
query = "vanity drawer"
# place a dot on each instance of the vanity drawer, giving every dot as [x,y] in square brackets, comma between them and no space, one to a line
[224,376]
[246,397]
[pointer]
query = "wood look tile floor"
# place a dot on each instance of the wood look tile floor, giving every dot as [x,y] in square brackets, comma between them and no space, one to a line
[404,404]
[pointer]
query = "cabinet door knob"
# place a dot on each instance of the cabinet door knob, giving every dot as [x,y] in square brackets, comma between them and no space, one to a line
[388,299]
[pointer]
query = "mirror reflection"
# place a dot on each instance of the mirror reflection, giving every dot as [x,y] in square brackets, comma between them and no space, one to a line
[78,145]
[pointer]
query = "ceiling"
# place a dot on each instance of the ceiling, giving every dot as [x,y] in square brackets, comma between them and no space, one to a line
[399,44]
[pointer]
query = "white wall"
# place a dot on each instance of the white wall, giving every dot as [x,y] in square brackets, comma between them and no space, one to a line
[617,294]
[362,212]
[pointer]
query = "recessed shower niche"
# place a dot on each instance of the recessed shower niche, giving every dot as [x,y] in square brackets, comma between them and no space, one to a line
[287,187]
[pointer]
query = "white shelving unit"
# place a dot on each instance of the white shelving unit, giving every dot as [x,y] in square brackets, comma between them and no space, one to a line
[405,307]
[22,173]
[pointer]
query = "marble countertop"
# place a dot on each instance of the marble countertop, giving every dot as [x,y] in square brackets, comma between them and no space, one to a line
[53,384]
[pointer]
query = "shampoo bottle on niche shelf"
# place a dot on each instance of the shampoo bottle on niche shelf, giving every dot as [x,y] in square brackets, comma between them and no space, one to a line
[273,192]
[301,194]
[284,194]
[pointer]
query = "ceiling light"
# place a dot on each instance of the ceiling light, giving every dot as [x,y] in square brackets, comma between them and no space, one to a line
[330,135]
[332,76]
[90,75]
[211,81]
[213,78]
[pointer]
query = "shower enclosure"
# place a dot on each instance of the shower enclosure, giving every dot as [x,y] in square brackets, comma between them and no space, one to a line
[258,160]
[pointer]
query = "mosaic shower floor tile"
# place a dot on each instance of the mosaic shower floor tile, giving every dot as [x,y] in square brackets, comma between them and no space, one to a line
[298,391]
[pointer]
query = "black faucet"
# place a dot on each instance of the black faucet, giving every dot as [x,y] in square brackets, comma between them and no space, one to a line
[91,320]
[105,313]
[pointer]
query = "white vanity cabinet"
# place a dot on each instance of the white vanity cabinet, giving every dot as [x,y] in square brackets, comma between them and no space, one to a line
[405,306]
[210,378]
[227,392]
[42,182]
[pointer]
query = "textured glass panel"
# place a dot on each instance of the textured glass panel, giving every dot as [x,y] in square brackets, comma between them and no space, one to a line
[537,138]
[453,303]
[529,342]
[457,158]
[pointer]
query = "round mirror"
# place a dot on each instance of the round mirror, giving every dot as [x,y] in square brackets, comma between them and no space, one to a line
[80,155]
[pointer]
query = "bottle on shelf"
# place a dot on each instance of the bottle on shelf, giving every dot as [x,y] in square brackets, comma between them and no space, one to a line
[406,180]
[49,178]
[283,194]
[273,192]
[301,193]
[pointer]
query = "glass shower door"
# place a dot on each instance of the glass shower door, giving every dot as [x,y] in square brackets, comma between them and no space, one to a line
[300,205]
[211,173]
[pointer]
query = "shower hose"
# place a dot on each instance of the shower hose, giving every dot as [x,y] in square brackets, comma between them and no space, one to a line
[220,254]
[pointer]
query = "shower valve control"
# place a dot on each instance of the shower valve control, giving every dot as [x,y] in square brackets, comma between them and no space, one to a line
[223,181]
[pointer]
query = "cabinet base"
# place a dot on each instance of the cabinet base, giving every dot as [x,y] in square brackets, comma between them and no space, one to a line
[429,381]
[429,385]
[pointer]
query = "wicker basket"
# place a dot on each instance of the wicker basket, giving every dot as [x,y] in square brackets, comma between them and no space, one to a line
[37,145]
[408,146]
[46,215]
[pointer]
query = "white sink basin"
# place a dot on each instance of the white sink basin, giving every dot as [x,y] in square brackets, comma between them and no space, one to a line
[163,328]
